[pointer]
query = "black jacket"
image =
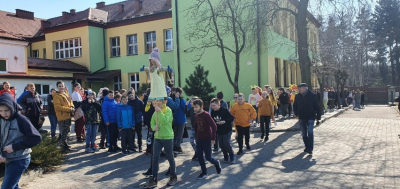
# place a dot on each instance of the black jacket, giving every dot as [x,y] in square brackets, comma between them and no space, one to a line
[222,115]
[32,103]
[92,112]
[284,98]
[50,105]
[138,109]
[307,106]
[147,115]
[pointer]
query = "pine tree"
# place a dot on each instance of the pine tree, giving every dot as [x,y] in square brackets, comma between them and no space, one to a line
[197,84]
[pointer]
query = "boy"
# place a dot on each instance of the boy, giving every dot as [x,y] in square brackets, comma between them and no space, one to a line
[126,123]
[179,120]
[244,114]
[109,112]
[192,132]
[223,118]
[161,123]
[254,98]
[205,130]
[265,111]
[17,137]
[64,108]
[32,103]
[92,111]
[138,109]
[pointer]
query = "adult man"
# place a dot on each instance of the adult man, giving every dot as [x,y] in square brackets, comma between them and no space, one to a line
[284,101]
[306,108]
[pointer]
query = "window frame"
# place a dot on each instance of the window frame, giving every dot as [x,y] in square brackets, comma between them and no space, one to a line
[5,61]
[117,47]
[133,45]
[68,45]
[41,89]
[33,53]
[119,83]
[135,75]
[152,42]
[168,40]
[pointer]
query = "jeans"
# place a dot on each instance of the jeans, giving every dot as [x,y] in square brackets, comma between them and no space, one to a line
[13,172]
[178,135]
[91,131]
[243,131]
[357,105]
[284,109]
[127,137]
[307,130]
[264,124]
[113,135]
[192,139]
[138,131]
[225,144]
[204,146]
[53,123]
[168,145]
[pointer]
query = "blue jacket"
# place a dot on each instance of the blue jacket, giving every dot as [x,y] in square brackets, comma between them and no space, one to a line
[173,105]
[109,110]
[138,109]
[180,113]
[125,117]
[22,95]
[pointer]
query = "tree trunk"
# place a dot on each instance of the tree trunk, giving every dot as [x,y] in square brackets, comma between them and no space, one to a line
[321,91]
[392,66]
[302,47]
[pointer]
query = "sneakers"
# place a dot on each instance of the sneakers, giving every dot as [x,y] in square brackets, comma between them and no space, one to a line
[147,153]
[248,148]
[218,167]
[148,173]
[178,150]
[102,146]
[95,149]
[194,158]
[89,150]
[140,149]
[79,140]
[124,152]
[233,160]
[226,160]
[152,183]
[172,180]
[240,152]
[266,139]
[262,136]
[132,151]
[111,151]
[202,176]
[118,148]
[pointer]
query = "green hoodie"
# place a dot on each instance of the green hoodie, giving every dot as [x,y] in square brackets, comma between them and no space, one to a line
[165,124]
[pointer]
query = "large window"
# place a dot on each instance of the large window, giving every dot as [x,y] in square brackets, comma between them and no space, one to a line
[135,83]
[117,83]
[150,41]
[115,47]
[3,66]
[277,75]
[68,48]
[132,45]
[169,45]
[42,89]
[35,53]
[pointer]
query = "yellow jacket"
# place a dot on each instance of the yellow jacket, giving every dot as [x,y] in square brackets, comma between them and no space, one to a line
[243,113]
[265,108]
[62,106]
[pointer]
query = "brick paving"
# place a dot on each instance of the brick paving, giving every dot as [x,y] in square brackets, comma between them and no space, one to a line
[358,149]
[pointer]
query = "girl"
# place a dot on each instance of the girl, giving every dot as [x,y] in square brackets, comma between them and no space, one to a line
[7,89]
[92,111]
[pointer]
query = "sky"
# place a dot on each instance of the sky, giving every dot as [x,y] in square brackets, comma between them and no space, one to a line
[46,9]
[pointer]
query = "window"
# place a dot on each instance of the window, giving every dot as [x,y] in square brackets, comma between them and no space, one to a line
[117,83]
[135,81]
[3,66]
[277,75]
[285,74]
[115,47]
[150,41]
[169,46]
[42,89]
[69,48]
[132,45]
[44,54]
[35,53]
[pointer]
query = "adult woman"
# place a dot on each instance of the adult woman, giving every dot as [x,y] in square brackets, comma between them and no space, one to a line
[6,89]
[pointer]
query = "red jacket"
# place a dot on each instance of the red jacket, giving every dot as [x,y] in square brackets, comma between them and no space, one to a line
[12,92]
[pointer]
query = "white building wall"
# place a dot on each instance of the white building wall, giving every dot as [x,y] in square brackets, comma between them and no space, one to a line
[14,53]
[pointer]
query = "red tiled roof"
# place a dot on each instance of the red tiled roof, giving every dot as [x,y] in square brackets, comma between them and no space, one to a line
[19,27]
[62,65]
[4,34]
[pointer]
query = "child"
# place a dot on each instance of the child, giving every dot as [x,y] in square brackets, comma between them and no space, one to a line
[244,114]
[117,98]
[102,127]
[138,109]
[193,132]
[224,120]
[17,137]
[52,113]
[109,112]
[64,107]
[265,111]
[92,111]
[254,98]
[32,103]
[126,123]
[161,123]
[206,131]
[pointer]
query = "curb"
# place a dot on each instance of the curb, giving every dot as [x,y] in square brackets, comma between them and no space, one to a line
[30,175]
[298,129]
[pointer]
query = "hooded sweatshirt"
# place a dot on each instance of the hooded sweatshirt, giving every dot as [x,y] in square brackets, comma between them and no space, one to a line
[16,131]
[243,113]
[164,118]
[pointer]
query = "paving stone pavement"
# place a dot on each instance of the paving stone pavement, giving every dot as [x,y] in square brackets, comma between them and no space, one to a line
[358,149]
